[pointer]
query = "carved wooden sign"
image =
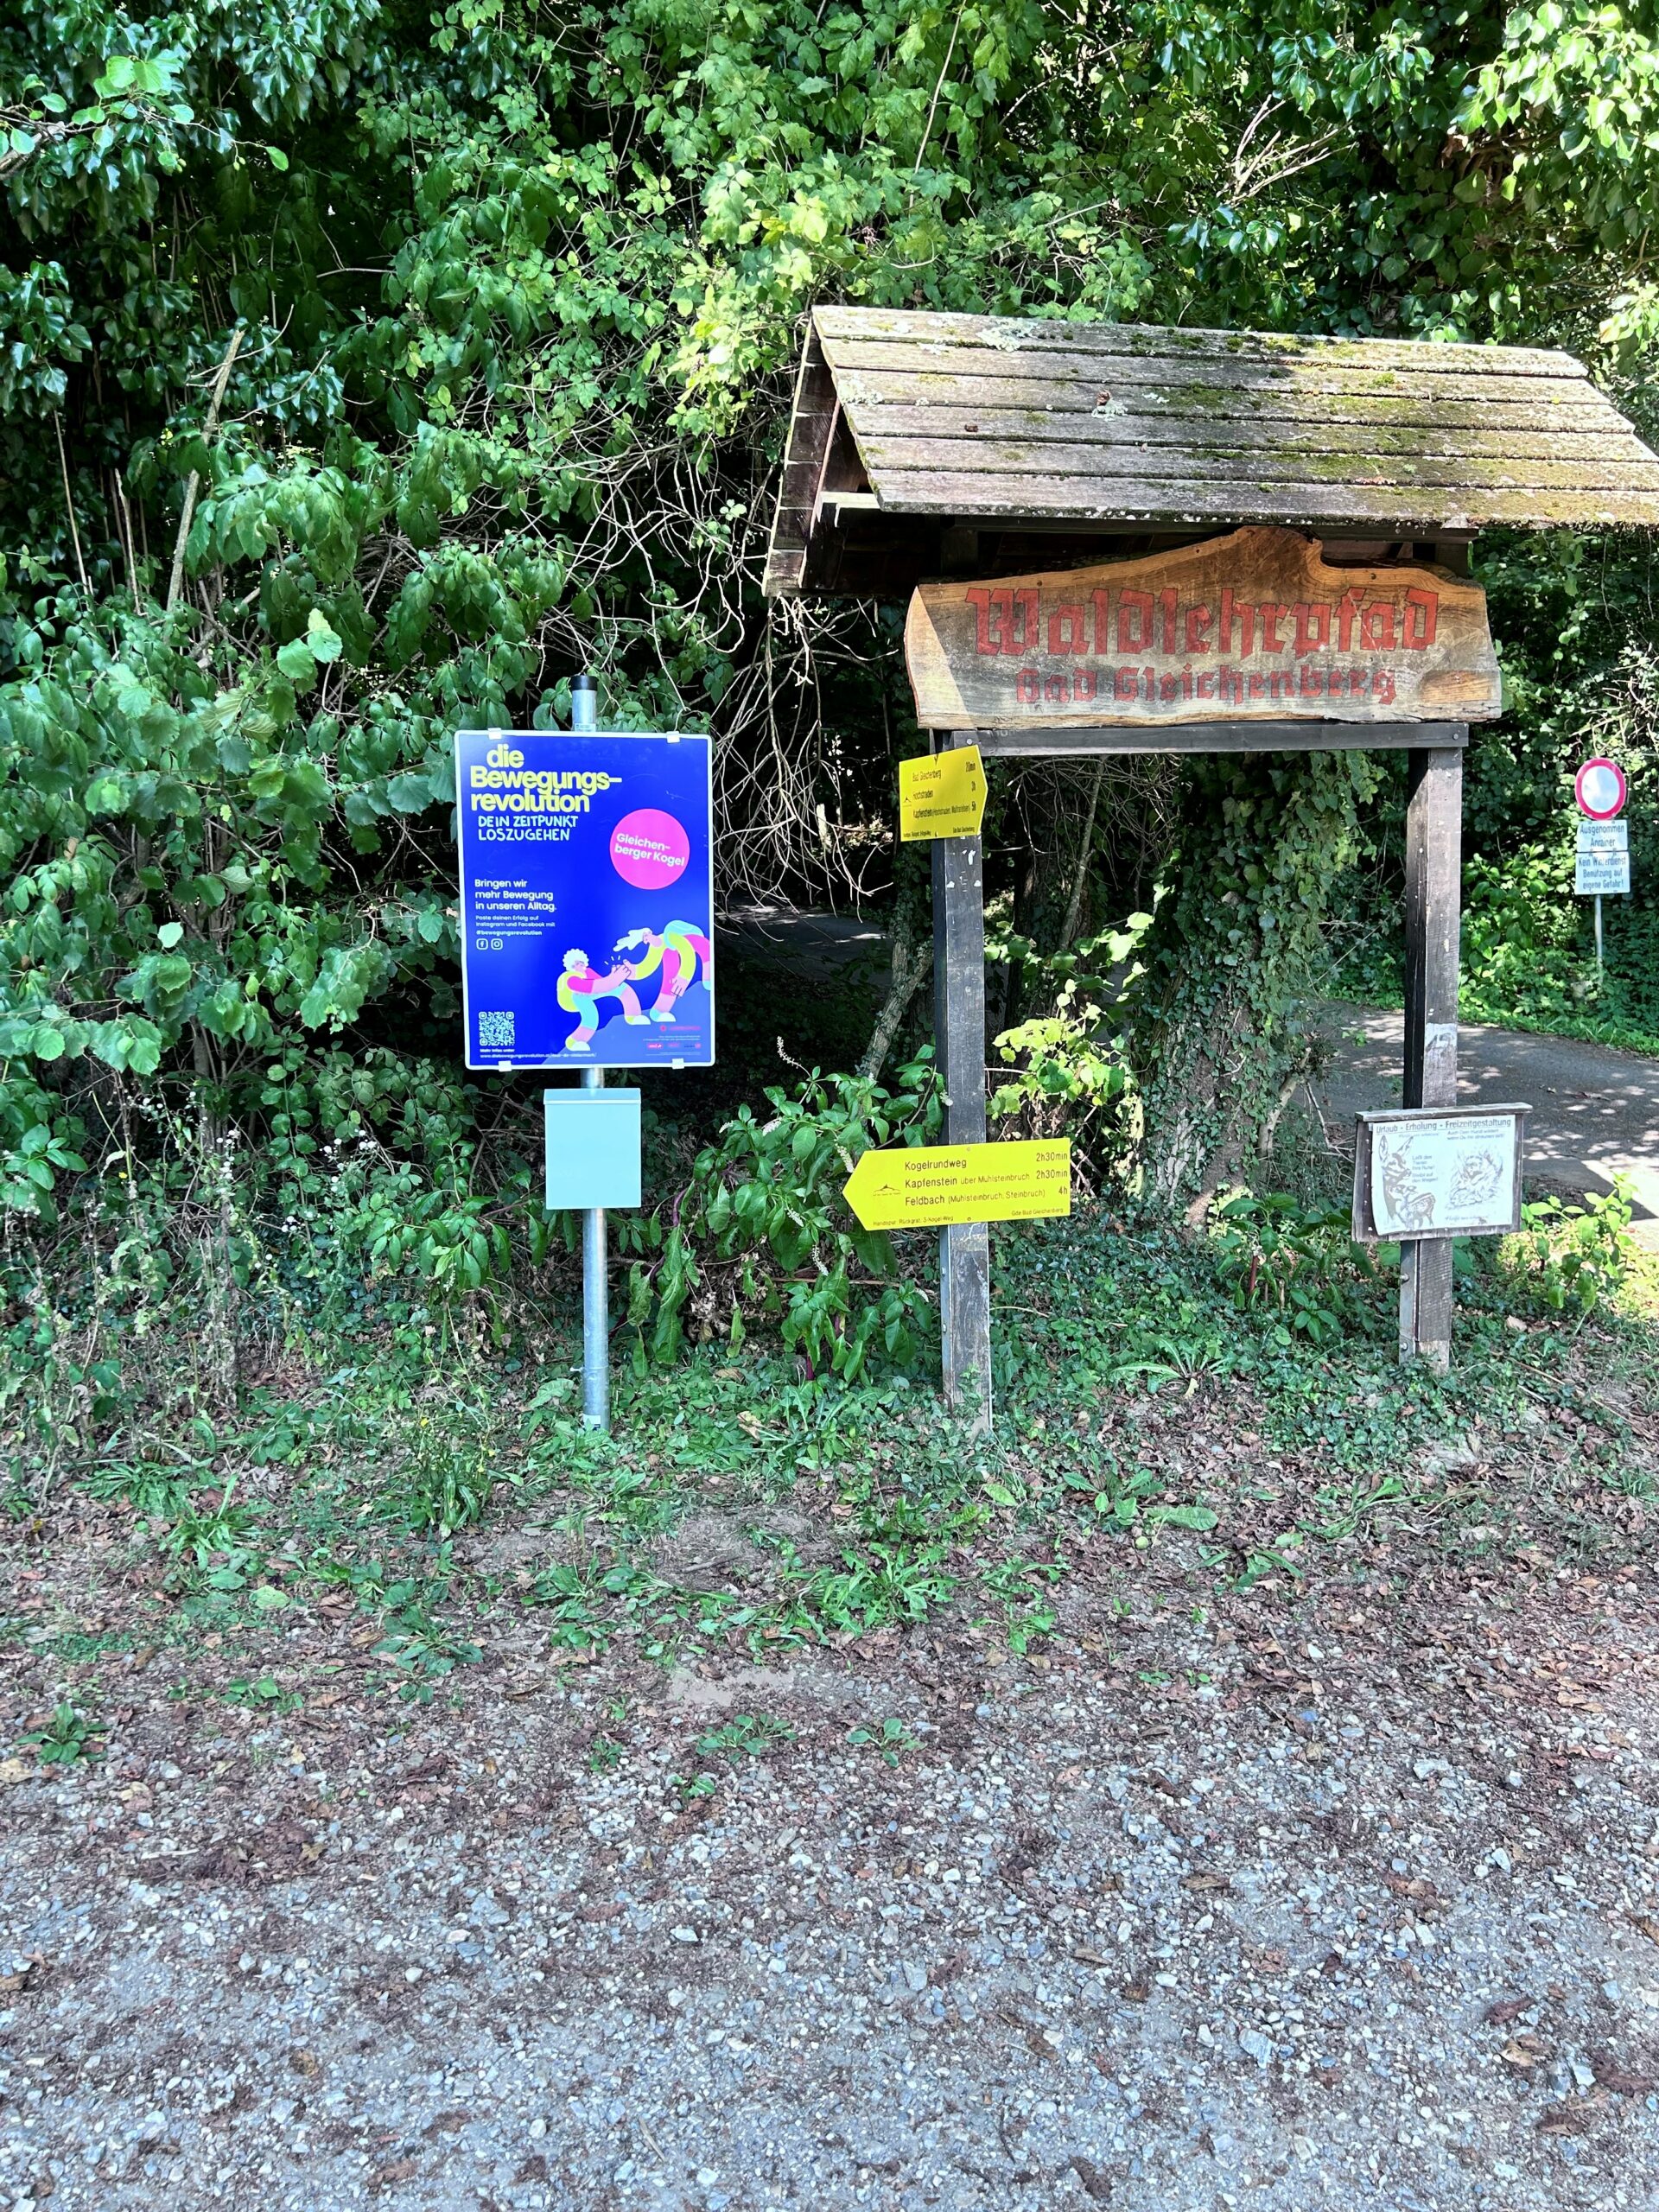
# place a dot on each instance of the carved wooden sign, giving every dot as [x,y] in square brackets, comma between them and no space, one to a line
[1255,624]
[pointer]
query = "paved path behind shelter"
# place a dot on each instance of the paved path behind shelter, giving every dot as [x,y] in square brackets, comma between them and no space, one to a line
[1595,1112]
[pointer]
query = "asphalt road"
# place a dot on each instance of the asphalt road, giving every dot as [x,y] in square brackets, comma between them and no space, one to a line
[1595,1112]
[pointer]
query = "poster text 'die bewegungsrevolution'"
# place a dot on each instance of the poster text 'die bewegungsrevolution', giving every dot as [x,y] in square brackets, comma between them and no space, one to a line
[587,900]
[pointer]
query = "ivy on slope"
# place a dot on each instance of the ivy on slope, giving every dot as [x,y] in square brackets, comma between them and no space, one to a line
[1235,951]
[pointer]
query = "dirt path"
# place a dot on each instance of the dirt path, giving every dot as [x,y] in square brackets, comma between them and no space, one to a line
[1595,1112]
[1288,1841]
[1353,1906]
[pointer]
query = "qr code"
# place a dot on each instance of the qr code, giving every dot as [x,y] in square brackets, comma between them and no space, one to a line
[495,1033]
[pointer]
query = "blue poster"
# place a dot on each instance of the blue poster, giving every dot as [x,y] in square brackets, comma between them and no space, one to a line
[587,900]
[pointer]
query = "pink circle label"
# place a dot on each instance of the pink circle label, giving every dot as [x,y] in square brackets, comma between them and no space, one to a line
[649,848]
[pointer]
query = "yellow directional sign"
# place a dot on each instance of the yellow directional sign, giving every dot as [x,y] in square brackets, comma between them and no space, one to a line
[929,1186]
[942,795]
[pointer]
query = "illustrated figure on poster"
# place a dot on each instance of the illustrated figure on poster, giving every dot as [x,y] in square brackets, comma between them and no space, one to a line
[677,949]
[580,989]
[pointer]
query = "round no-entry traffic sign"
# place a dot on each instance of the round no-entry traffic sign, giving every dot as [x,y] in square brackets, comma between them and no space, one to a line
[1601,788]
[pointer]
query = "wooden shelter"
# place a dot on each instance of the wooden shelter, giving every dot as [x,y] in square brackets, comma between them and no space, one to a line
[1299,513]
[925,444]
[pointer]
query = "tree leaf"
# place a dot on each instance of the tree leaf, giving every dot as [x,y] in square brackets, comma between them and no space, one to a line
[298,663]
[323,643]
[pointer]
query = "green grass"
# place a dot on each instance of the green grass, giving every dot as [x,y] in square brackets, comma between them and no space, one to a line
[1141,1407]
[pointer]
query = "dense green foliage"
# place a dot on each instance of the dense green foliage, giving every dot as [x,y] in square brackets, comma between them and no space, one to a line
[761,1229]
[366,368]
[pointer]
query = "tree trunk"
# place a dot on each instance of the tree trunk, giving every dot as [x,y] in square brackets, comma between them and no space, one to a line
[1048,891]
[912,955]
[1085,853]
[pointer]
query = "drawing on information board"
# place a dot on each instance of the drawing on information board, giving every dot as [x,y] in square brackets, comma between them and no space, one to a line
[1407,1201]
[582,987]
[679,955]
[1477,1180]
[681,950]
[1442,1177]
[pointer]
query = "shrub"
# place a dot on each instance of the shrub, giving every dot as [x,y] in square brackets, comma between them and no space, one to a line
[762,1231]
[1571,1259]
[1298,1261]
[1068,1072]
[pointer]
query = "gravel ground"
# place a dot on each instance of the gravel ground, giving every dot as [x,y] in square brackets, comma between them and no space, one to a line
[1341,1900]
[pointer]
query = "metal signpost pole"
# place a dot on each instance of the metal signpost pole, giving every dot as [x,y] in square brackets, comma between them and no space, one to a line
[1604,860]
[595,1304]
[587,904]
[595,1284]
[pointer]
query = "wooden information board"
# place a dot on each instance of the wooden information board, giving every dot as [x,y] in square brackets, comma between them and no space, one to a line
[1254,625]
[1435,1172]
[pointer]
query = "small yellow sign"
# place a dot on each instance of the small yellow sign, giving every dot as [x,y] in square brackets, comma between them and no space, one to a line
[930,1186]
[942,795]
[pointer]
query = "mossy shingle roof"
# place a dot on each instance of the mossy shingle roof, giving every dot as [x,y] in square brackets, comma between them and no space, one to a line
[988,419]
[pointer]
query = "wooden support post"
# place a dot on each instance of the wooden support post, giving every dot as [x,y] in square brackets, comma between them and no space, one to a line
[959,1032]
[1433,899]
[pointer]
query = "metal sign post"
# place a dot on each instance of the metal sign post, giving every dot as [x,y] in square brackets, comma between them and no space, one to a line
[586,931]
[593,1165]
[595,1279]
[1604,844]
[595,1304]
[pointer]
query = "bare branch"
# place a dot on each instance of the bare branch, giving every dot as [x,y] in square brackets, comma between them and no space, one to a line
[175,584]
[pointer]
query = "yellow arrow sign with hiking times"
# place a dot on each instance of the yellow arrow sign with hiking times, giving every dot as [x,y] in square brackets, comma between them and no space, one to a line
[930,1186]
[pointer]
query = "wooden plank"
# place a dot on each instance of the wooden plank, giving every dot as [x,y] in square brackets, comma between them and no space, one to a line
[1228,427]
[1175,467]
[1202,404]
[1163,341]
[1253,625]
[958,900]
[1220,737]
[1433,862]
[811,422]
[1433,875]
[959,1025]
[1241,434]
[973,496]
[1122,378]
